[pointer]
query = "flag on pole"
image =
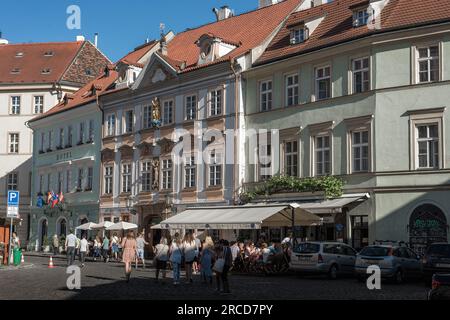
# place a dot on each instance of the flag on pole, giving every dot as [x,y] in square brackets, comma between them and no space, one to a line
[55,199]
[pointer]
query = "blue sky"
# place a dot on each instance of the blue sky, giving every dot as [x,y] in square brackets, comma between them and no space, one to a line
[122,25]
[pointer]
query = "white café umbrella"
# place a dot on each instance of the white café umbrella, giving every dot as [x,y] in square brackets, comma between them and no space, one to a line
[87,226]
[103,225]
[122,226]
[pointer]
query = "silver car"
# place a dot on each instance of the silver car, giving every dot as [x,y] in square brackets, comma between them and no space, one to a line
[396,262]
[331,258]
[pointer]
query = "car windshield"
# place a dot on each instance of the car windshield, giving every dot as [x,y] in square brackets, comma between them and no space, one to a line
[439,250]
[375,251]
[307,248]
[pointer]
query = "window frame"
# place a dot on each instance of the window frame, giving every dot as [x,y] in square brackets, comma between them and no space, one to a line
[269,107]
[108,179]
[166,181]
[126,128]
[214,166]
[17,112]
[146,169]
[416,63]
[190,169]
[8,182]
[353,71]
[147,117]
[126,178]
[15,143]
[294,155]
[288,87]
[110,130]
[171,107]
[41,106]
[358,124]
[193,109]
[213,106]
[316,80]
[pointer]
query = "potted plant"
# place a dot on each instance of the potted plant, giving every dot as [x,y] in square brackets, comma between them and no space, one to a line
[46,245]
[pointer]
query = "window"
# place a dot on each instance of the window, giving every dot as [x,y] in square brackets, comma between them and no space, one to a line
[167,112]
[80,179]
[41,150]
[191,108]
[126,178]
[215,104]
[108,179]
[299,35]
[360,151]
[90,179]
[292,90]
[427,136]
[68,181]
[13,143]
[61,138]
[39,104]
[323,83]
[265,162]
[15,105]
[81,133]
[129,121]
[167,174]
[49,141]
[360,17]
[147,117]
[49,182]
[291,158]
[111,125]
[322,155]
[428,64]
[69,137]
[41,184]
[146,176]
[13,180]
[265,94]
[60,181]
[361,81]
[215,169]
[189,172]
[91,131]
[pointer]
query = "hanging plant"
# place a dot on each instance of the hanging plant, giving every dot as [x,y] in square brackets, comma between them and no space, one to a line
[331,186]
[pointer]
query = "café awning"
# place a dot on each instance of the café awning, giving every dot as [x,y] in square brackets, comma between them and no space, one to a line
[241,217]
[333,205]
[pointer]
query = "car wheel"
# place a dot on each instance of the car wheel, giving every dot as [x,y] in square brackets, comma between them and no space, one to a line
[398,277]
[333,273]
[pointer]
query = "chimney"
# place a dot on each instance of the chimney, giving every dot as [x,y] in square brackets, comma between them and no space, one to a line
[223,13]
[163,45]
[266,3]
[3,41]
[96,39]
[80,38]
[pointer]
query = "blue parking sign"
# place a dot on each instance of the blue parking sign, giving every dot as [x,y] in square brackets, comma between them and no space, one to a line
[13,198]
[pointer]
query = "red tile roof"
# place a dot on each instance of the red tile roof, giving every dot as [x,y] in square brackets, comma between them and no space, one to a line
[248,29]
[33,61]
[337,27]
[102,84]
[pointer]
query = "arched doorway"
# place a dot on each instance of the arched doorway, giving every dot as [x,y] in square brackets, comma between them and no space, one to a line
[43,233]
[83,232]
[61,227]
[427,225]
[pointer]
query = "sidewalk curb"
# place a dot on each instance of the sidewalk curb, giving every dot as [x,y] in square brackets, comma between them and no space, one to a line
[12,268]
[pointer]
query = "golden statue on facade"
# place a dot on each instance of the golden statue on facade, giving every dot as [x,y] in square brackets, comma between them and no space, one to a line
[156,112]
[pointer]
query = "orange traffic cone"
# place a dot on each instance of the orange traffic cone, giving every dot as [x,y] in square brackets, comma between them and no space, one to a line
[50,263]
[22,260]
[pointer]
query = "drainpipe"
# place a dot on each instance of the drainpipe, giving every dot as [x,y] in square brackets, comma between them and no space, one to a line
[237,77]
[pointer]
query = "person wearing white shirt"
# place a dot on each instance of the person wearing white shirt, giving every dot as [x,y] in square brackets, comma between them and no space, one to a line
[83,250]
[71,243]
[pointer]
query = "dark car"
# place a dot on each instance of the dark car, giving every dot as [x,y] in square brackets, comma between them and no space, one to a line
[440,287]
[436,260]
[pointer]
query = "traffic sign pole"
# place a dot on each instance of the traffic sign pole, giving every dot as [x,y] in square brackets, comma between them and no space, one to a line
[10,239]
[13,202]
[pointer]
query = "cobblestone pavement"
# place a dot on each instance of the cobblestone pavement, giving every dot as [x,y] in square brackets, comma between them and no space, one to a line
[107,281]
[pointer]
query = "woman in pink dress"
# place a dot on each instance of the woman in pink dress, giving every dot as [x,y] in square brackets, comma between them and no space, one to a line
[129,253]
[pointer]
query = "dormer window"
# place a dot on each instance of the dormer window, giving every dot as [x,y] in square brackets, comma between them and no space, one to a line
[15,71]
[19,54]
[46,71]
[212,47]
[49,54]
[360,17]
[299,35]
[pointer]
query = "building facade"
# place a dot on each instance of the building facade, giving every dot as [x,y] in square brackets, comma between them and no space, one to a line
[33,78]
[170,141]
[360,90]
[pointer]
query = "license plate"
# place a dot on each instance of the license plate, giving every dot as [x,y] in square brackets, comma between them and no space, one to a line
[442,265]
